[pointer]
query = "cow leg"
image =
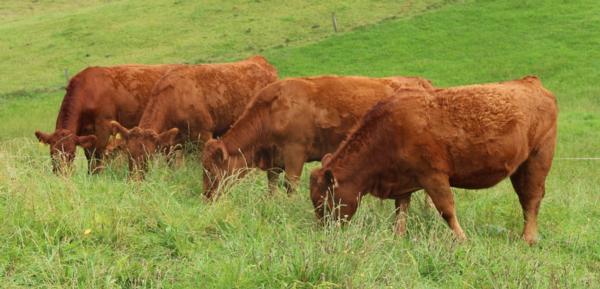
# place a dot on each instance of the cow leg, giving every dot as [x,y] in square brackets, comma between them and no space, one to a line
[529,184]
[178,158]
[438,188]
[402,205]
[98,162]
[273,178]
[428,203]
[294,158]
[94,160]
[89,155]
[102,130]
[174,158]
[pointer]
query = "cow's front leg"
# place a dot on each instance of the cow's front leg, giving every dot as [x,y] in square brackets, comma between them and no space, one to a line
[402,205]
[273,179]
[96,158]
[174,157]
[97,164]
[437,187]
[294,158]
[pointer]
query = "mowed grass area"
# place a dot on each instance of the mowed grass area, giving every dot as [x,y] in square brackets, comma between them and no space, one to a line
[71,35]
[105,232]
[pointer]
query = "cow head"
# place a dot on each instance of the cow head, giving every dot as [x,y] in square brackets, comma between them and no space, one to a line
[219,163]
[330,197]
[141,143]
[214,162]
[115,144]
[63,144]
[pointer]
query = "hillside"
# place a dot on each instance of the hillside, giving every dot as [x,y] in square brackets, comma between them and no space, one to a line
[40,39]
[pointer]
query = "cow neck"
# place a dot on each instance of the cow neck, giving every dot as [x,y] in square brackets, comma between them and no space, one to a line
[155,114]
[70,111]
[358,168]
[363,155]
[247,134]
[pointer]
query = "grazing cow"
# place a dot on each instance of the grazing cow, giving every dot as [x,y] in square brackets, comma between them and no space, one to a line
[193,104]
[294,121]
[94,97]
[468,137]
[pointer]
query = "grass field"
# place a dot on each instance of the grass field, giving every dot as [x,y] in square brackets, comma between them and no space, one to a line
[59,35]
[105,232]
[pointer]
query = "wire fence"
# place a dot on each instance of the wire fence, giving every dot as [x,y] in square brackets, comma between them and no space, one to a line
[580,159]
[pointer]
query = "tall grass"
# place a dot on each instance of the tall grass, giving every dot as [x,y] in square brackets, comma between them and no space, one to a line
[106,232]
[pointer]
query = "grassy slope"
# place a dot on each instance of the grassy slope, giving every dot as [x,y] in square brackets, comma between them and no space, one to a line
[15,10]
[159,234]
[37,49]
[478,43]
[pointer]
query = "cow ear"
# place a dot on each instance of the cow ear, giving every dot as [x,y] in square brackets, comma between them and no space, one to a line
[205,136]
[113,144]
[167,138]
[117,129]
[217,150]
[326,159]
[330,180]
[86,141]
[43,137]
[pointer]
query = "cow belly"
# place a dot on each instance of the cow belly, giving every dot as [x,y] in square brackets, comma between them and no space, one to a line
[479,179]
[482,172]
[486,165]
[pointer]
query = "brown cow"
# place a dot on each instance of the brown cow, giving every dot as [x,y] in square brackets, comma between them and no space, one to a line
[294,121]
[468,137]
[194,104]
[94,97]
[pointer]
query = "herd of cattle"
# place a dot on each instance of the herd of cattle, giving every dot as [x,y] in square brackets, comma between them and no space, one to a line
[385,136]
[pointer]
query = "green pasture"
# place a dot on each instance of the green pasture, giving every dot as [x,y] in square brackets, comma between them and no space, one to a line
[40,39]
[106,232]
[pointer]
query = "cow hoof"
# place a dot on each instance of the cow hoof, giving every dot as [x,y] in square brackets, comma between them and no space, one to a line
[400,234]
[531,240]
[461,238]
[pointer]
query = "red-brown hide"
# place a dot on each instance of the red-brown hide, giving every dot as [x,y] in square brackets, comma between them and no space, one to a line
[94,97]
[194,103]
[294,121]
[467,137]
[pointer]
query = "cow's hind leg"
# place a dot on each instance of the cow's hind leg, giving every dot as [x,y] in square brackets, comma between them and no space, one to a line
[428,203]
[438,188]
[529,183]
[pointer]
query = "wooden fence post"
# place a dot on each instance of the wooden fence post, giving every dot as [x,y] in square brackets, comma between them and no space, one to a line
[334,22]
